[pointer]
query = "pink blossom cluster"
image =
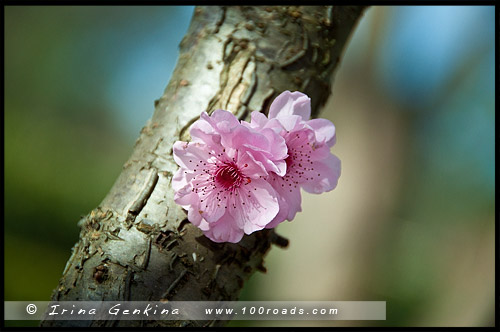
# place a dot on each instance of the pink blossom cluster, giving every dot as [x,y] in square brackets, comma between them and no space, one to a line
[236,178]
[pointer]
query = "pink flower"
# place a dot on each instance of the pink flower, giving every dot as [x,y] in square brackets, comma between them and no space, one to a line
[222,176]
[237,178]
[310,165]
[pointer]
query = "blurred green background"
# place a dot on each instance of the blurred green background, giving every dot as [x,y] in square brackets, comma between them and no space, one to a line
[411,221]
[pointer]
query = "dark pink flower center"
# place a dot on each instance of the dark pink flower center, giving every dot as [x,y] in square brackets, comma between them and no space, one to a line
[229,176]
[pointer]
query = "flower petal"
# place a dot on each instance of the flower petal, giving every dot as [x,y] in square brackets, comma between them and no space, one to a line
[291,103]
[324,131]
[289,192]
[276,147]
[289,199]
[223,119]
[254,205]
[324,177]
[212,206]
[266,147]
[258,119]
[291,122]
[249,166]
[179,179]
[202,131]
[223,123]
[190,155]
[194,216]
[224,230]
[282,213]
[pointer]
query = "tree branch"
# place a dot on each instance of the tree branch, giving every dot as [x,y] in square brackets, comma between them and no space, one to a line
[137,244]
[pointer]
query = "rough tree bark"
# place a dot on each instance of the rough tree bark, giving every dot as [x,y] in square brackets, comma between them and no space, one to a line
[137,244]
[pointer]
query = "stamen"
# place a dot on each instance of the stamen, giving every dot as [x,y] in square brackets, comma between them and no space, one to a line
[228,176]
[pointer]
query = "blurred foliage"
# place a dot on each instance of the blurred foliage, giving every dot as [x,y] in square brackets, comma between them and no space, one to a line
[67,73]
[411,223]
[413,103]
